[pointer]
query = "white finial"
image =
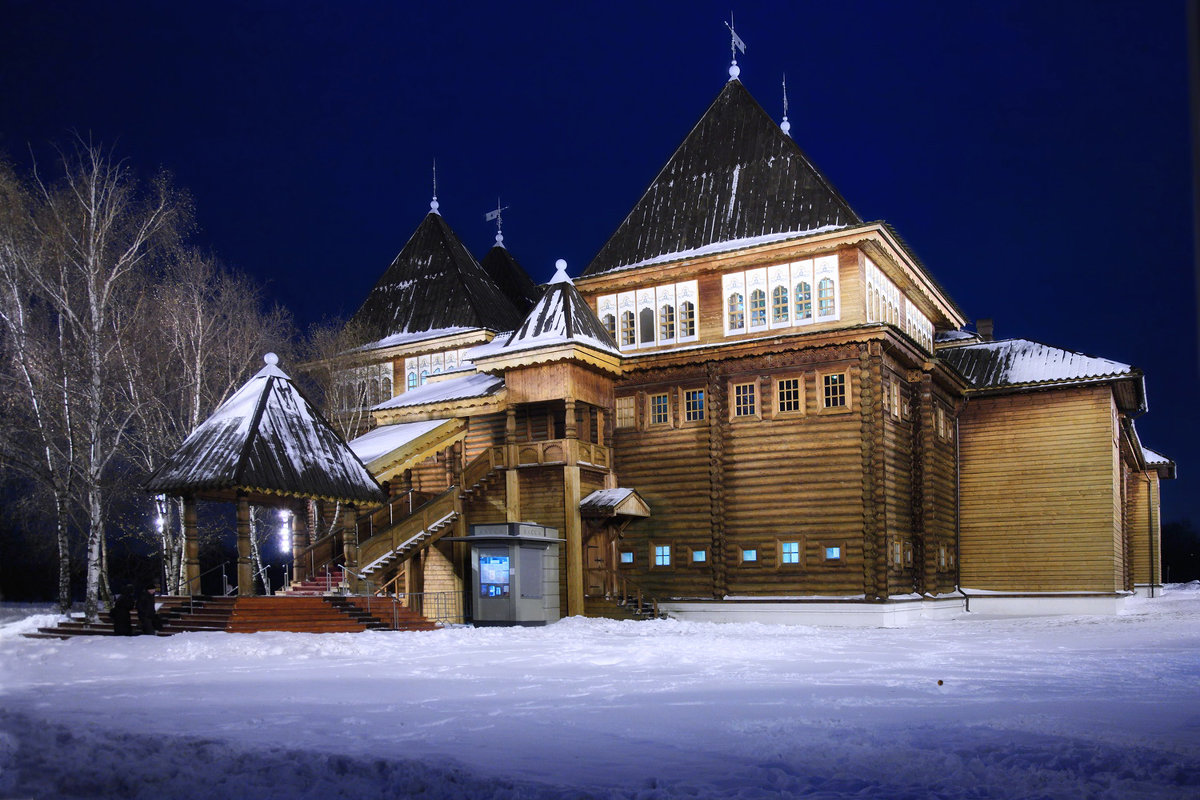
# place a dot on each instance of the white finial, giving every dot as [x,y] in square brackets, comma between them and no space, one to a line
[494,215]
[499,239]
[271,359]
[785,126]
[433,204]
[735,44]
[560,274]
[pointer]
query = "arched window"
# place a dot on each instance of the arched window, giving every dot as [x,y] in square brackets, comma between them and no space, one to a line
[737,312]
[825,306]
[387,388]
[361,396]
[779,305]
[758,308]
[627,329]
[424,376]
[437,370]
[372,394]
[610,325]
[666,323]
[687,318]
[412,380]
[646,325]
[803,301]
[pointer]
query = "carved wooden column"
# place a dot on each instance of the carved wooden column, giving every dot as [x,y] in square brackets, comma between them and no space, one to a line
[350,546]
[570,428]
[299,543]
[244,570]
[574,536]
[191,548]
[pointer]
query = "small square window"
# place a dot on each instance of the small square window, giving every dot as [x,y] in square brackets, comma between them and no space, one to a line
[626,556]
[833,553]
[693,405]
[750,556]
[699,556]
[660,409]
[662,555]
[789,552]
[745,400]
[788,396]
[626,416]
[834,390]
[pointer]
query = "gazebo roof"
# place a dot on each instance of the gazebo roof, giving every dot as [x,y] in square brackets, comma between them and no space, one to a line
[266,439]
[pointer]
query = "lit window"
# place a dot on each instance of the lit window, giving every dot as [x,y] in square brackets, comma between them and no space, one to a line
[750,556]
[825,305]
[646,325]
[745,402]
[803,301]
[833,553]
[699,556]
[412,380]
[387,388]
[687,319]
[758,308]
[424,376]
[662,555]
[660,410]
[627,329]
[788,396]
[626,556]
[610,325]
[693,405]
[666,323]
[625,412]
[835,390]
[737,312]
[789,553]
[779,305]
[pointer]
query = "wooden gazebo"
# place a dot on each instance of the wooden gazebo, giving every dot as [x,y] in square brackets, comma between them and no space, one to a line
[265,445]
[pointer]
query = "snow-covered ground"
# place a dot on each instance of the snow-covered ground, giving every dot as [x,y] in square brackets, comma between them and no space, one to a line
[1065,707]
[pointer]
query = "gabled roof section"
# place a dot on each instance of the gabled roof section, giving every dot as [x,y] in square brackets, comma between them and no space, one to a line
[735,177]
[435,283]
[267,438]
[1156,461]
[562,316]
[468,387]
[511,277]
[1013,363]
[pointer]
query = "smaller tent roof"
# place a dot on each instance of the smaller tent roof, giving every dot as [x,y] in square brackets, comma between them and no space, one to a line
[267,438]
[561,316]
[510,276]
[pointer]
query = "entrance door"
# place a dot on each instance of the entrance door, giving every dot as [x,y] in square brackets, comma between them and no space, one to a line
[595,565]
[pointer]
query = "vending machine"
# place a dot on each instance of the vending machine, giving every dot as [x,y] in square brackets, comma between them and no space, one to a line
[514,570]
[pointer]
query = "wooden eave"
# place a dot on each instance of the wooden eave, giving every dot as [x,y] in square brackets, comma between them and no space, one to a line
[418,449]
[1128,389]
[631,506]
[452,341]
[565,351]
[909,273]
[462,407]
[259,496]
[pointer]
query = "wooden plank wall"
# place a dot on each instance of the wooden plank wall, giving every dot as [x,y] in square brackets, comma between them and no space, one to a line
[483,432]
[1144,528]
[1038,492]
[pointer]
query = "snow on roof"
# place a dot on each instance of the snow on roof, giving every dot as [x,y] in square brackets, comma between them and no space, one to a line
[1015,362]
[1154,458]
[561,316]
[406,338]
[267,437]
[957,337]
[387,438]
[478,384]
[729,246]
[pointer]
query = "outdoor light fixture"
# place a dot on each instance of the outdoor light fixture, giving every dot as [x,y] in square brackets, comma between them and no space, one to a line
[285,530]
[160,503]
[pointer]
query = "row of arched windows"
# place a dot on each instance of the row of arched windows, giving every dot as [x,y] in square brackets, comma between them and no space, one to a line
[362,388]
[784,309]
[641,327]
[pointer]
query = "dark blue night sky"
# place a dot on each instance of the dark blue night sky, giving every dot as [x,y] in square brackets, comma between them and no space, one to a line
[1034,154]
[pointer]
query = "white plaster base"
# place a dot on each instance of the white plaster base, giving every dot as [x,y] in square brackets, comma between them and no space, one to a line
[1148,590]
[860,615]
[1045,605]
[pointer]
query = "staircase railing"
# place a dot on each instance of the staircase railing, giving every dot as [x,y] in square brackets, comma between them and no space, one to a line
[422,519]
[628,591]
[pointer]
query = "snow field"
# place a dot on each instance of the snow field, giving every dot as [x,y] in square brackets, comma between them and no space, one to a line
[1062,707]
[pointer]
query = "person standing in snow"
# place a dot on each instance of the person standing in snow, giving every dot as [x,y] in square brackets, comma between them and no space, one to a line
[147,613]
[120,612]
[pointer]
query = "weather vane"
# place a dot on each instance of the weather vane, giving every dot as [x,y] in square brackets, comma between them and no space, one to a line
[785,126]
[735,45]
[495,215]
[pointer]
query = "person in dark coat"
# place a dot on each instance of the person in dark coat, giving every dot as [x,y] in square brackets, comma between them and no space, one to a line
[122,626]
[147,614]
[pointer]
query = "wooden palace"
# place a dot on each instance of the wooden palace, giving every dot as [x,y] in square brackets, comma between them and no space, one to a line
[752,404]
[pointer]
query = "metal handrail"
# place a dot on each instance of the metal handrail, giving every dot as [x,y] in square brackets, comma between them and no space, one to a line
[224,583]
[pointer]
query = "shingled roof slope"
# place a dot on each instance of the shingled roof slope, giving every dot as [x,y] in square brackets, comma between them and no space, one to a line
[1021,362]
[511,277]
[736,176]
[267,438]
[559,317]
[435,283]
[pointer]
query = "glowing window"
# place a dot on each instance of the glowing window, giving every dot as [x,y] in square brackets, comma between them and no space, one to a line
[699,556]
[626,556]
[833,553]
[412,380]
[662,555]
[789,552]
[750,556]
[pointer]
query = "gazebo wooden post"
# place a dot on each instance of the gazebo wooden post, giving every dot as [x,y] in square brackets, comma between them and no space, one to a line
[350,547]
[191,547]
[245,571]
[299,543]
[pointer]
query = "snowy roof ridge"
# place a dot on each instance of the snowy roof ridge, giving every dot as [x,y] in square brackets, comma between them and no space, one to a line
[1024,362]
[478,384]
[561,316]
[267,437]
[735,176]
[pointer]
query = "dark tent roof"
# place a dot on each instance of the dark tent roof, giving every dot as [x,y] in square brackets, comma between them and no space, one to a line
[433,284]
[511,277]
[267,438]
[560,316]
[736,176]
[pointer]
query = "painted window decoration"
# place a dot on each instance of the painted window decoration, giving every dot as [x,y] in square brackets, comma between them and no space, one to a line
[626,556]
[662,555]
[745,400]
[833,553]
[651,316]
[882,296]
[420,368]
[660,409]
[626,417]
[693,405]
[789,397]
[789,552]
[834,390]
[362,387]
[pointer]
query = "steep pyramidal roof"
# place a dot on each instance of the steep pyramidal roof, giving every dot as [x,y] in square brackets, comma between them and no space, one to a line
[511,277]
[435,283]
[267,438]
[736,176]
[559,317]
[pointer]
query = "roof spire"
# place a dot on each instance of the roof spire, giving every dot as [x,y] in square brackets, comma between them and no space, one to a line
[495,215]
[735,44]
[560,272]
[433,204]
[785,126]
